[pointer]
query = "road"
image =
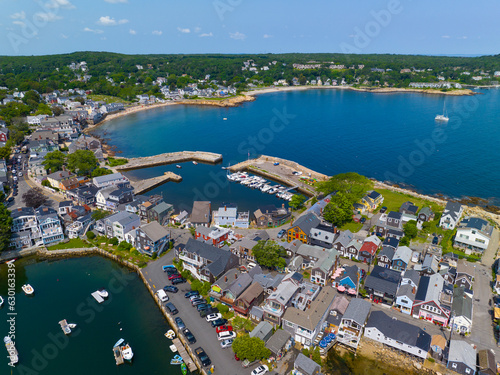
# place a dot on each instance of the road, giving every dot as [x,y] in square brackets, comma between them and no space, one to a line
[223,359]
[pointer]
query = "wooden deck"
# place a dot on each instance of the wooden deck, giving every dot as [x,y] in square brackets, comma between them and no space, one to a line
[184,354]
[143,186]
[170,158]
[117,352]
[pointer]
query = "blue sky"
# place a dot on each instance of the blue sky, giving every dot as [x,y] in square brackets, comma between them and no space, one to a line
[35,27]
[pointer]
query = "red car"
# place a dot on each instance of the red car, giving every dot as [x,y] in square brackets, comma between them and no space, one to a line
[236,357]
[174,276]
[223,328]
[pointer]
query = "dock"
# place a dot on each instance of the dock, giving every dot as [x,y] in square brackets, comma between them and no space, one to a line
[143,186]
[65,327]
[283,172]
[117,352]
[185,356]
[170,158]
[97,297]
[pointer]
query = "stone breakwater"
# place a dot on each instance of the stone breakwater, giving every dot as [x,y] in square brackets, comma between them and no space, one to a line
[382,90]
[170,158]
[229,102]
[143,186]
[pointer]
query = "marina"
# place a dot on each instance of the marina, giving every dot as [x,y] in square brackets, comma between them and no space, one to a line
[183,353]
[256,182]
[170,158]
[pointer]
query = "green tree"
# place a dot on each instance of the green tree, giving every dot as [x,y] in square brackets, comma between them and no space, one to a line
[297,201]
[5,152]
[82,162]
[43,109]
[90,235]
[54,161]
[124,246]
[410,229]
[352,185]
[57,111]
[405,241]
[339,210]
[100,172]
[113,241]
[34,197]
[269,254]
[5,227]
[99,214]
[251,348]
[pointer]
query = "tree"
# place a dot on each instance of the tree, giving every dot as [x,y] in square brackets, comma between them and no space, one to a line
[251,348]
[124,246]
[297,201]
[82,162]
[100,172]
[5,226]
[5,152]
[269,254]
[339,210]
[410,229]
[99,214]
[352,185]
[405,241]
[34,198]
[54,161]
[90,235]
[113,241]
[57,111]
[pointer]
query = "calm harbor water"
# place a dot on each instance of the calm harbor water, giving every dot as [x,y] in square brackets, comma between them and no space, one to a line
[62,291]
[390,137]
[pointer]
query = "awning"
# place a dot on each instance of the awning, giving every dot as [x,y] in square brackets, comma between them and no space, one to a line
[341,288]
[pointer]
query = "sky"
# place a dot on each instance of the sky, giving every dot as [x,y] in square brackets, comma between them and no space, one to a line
[444,27]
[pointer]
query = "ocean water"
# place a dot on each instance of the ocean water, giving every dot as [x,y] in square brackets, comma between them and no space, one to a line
[390,137]
[62,291]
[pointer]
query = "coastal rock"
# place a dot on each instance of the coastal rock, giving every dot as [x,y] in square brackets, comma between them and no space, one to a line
[230,102]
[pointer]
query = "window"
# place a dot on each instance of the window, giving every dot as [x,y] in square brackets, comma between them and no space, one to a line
[467,370]
[454,365]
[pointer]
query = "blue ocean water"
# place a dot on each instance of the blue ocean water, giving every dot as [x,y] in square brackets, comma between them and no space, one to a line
[390,137]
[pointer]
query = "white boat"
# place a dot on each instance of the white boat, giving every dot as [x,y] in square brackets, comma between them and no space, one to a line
[103,293]
[28,289]
[72,325]
[195,163]
[170,334]
[443,117]
[264,188]
[178,166]
[11,349]
[225,118]
[173,348]
[127,352]
[118,343]
[1,301]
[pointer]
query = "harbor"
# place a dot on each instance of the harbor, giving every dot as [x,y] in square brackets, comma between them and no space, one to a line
[143,186]
[184,354]
[170,158]
[256,182]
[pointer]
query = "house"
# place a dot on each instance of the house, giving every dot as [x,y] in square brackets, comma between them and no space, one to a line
[461,357]
[473,234]
[80,226]
[451,215]
[372,200]
[323,268]
[117,225]
[392,220]
[160,213]
[407,291]
[425,215]
[353,248]
[57,177]
[222,283]
[213,236]
[201,213]
[382,285]
[408,208]
[252,296]
[322,235]
[151,238]
[269,282]
[429,266]
[271,216]
[349,278]
[342,242]
[243,247]
[235,289]
[430,302]
[337,311]
[278,301]
[305,325]
[401,258]
[486,363]
[263,331]
[69,184]
[110,179]
[461,320]
[83,195]
[206,262]
[301,228]
[256,314]
[64,207]
[353,322]
[110,197]
[4,136]
[279,343]
[305,366]
[25,230]
[465,274]
[397,334]
[369,249]
[385,256]
[49,224]
[228,215]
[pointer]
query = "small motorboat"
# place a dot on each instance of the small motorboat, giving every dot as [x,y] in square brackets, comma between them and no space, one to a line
[118,343]
[103,293]
[1,301]
[178,166]
[127,352]
[11,349]
[225,118]
[173,348]
[72,325]
[28,289]
[178,357]
[195,162]
[184,369]
[175,362]
[170,334]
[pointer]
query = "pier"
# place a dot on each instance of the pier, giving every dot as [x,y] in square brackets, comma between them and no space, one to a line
[170,158]
[185,356]
[143,186]
[117,352]
[283,172]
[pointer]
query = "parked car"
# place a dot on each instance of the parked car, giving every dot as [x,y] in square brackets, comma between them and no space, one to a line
[415,257]
[251,265]
[218,322]
[171,308]
[171,289]
[260,370]
[223,328]
[435,240]
[363,220]
[169,267]
[174,276]
[191,293]
[203,306]
[226,335]
[172,271]
[180,323]
[198,301]
[204,359]
[210,310]
[226,343]
[162,295]
[189,336]
[281,233]
[20,174]
[179,280]
[383,210]
[213,317]
[196,296]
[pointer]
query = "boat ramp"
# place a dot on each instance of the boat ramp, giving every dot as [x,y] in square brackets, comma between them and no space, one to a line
[143,186]
[185,356]
[170,158]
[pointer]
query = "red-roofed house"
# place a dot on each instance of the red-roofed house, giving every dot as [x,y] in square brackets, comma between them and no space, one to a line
[367,252]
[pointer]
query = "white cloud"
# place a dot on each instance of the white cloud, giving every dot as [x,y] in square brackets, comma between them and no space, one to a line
[47,17]
[95,31]
[184,31]
[206,35]
[109,21]
[18,16]
[64,36]
[55,4]
[265,36]
[132,32]
[157,32]
[19,23]
[446,37]
[197,29]
[462,37]
[237,36]
[116,1]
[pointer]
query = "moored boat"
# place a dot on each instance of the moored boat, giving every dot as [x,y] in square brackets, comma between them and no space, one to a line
[11,349]
[195,163]
[178,166]
[127,352]
[118,343]
[28,289]
[184,369]
[1,301]
[103,293]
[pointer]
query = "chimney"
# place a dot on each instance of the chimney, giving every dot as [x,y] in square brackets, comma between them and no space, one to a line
[225,208]
[225,279]
[235,275]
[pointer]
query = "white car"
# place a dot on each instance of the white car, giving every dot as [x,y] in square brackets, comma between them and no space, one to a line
[14,178]
[20,174]
[226,343]
[260,370]
[211,317]
[415,257]
[251,265]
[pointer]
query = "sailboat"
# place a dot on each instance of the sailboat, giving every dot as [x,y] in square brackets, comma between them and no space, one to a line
[443,117]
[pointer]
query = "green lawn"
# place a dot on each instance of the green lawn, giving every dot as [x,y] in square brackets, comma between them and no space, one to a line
[393,201]
[352,226]
[75,243]
[108,99]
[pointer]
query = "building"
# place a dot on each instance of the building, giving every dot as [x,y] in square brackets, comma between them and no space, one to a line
[56,178]
[323,236]
[473,234]
[486,363]
[263,331]
[271,216]
[407,291]
[399,335]
[349,278]
[408,208]
[117,225]
[461,357]
[301,228]
[160,213]
[337,311]
[401,258]
[201,215]
[382,285]
[461,319]
[451,215]
[235,289]
[342,242]
[278,301]
[25,230]
[465,274]
[252,296]
[110,197]
[385,256]
[110,179]
[392,220]
[353,248]
[369,249]
[151,238]
[353,322]
[49,224]
[305,366]
[431,302]
[279,343]
[371,201]
[83,195]
[213,236]
[228,215]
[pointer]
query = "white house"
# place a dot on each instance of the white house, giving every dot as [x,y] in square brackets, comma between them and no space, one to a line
[451,215]
[461,319]
[110,179]
[473,234]
[230,217]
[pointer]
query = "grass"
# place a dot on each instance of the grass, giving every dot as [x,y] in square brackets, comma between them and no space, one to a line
[75,243]
[114,162]
[352,226]
[108,99]
[393,201]
[131,256]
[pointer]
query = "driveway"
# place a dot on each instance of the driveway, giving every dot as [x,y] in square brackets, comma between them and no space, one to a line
[223,359]
[490,254]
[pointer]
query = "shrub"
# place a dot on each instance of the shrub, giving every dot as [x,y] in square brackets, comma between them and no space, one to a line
[222,308]
[90,235]
[46,183]
[114,241]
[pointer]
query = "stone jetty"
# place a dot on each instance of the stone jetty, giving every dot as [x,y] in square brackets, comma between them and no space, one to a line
[143,186]
[170,158]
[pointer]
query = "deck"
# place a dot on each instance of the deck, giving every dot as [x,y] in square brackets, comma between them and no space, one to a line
[117,352]
[143,186]
[184,354]
[170,158]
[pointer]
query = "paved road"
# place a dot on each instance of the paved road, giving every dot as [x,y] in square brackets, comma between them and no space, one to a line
[489,255]
[223,359]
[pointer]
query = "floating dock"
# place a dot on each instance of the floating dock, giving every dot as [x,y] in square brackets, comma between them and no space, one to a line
[11,349]
[65,327]
[117,352]
[170,158]
[98,297]
[185,356]
[143,186]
